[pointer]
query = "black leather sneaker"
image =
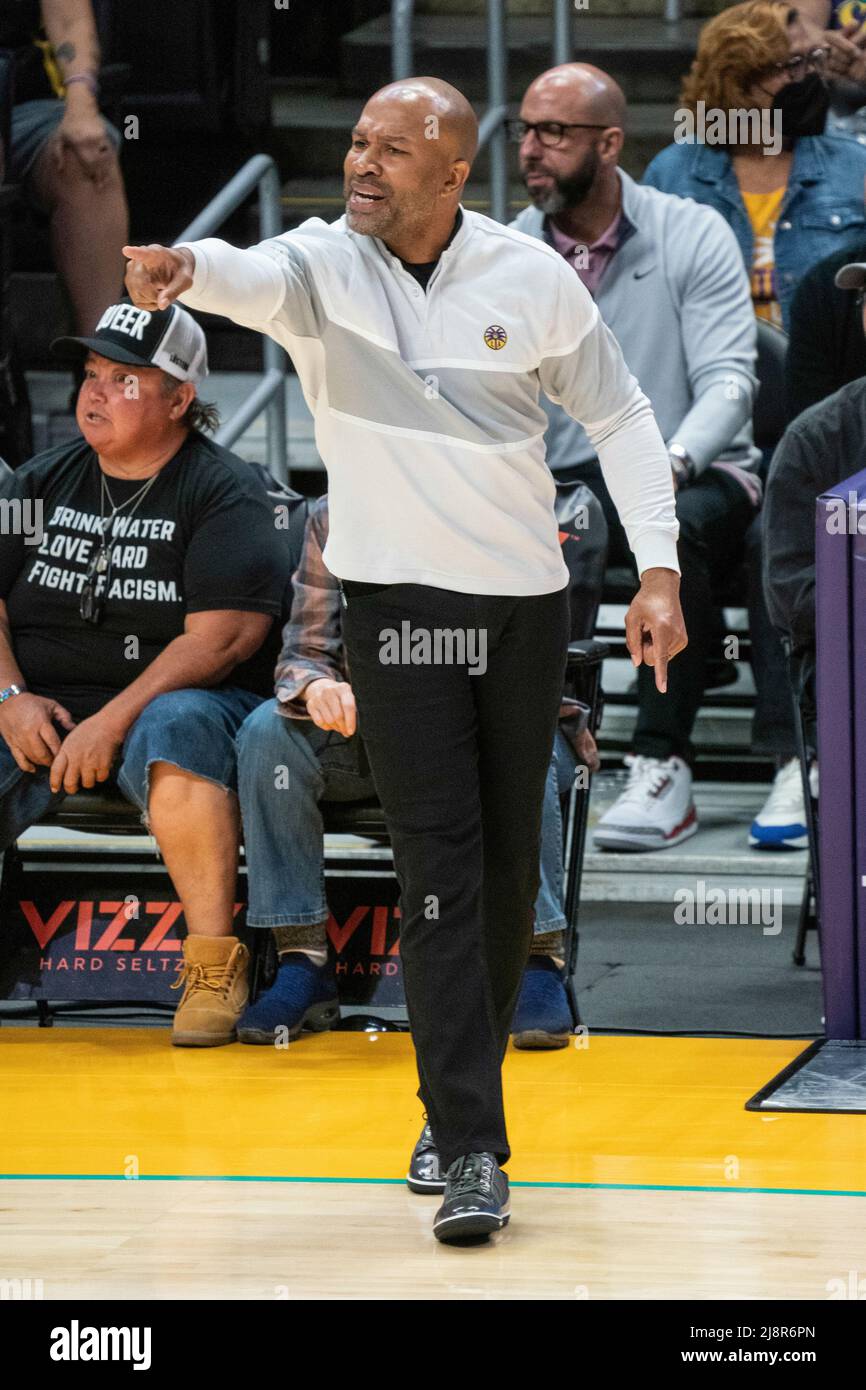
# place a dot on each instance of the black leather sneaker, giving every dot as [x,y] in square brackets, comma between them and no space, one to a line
[425,1170]
[476,1199]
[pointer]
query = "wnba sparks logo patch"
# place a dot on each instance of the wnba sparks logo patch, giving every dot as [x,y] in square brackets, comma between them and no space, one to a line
[495,337]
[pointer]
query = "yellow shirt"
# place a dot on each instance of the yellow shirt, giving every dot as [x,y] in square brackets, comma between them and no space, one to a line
[848,11]
[763,210]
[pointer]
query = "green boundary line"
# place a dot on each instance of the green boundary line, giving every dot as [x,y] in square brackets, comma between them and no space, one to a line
[399,1182]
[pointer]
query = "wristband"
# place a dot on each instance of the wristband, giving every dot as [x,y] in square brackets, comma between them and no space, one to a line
[89,81]
[9,692]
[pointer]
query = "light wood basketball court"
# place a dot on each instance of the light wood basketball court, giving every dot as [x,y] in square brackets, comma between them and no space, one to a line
[277,1174]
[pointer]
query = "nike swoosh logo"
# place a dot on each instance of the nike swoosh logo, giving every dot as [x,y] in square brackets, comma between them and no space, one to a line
[639,274]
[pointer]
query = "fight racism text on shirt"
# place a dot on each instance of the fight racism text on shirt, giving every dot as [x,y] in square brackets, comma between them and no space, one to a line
[203,538]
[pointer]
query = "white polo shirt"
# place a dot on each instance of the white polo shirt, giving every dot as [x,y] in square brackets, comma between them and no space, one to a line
[426,405]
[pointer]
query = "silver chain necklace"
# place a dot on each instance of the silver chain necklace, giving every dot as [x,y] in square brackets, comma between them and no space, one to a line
[134,502]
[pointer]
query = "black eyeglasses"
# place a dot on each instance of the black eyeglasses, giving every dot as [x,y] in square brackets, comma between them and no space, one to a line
[796,68]
[550,133]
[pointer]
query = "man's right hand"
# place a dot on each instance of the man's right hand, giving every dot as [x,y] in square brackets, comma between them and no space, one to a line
[27,726]
[331,705]
[847,58]
[156,275]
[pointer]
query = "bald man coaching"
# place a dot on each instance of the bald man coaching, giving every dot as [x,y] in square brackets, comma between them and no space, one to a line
[423,334]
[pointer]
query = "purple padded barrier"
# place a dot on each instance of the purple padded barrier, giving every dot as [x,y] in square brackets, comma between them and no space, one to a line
[858,657]
[841,687]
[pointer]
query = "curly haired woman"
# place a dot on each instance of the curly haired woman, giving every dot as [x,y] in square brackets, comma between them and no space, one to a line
[791,194]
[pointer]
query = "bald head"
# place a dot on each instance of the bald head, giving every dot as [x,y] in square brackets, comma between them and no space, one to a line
[416,99]
[582,93]
[410,157]
[574,116]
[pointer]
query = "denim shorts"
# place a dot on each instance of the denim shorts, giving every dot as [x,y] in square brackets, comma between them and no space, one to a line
[33,124]
[194,730]
[191,729]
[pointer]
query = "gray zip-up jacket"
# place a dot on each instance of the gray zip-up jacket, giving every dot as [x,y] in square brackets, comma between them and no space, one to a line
[676,296]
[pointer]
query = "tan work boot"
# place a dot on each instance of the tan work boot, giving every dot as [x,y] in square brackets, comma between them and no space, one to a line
[216,992]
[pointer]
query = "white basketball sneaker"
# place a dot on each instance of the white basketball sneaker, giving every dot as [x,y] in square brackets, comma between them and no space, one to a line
[781,821]
[656,809]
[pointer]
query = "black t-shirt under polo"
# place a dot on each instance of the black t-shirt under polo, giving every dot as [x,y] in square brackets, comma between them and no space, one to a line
[422,270]
[203,538]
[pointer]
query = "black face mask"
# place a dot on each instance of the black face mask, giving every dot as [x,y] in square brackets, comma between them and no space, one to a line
[803,107]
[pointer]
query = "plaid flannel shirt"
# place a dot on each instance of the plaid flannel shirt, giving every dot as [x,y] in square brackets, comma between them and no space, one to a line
[313,636]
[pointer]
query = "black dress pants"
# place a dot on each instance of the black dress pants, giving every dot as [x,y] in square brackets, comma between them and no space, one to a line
[459,762]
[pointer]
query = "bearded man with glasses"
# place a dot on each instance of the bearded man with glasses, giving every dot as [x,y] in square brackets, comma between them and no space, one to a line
[669,282]
[791,206]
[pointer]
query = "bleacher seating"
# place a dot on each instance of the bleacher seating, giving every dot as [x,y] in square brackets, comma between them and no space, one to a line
[104,811]
[620,584]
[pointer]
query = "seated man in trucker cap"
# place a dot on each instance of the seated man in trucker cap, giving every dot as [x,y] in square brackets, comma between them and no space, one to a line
[137,598]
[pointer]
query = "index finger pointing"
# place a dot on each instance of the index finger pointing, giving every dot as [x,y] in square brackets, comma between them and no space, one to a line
[148,255]
[661,664]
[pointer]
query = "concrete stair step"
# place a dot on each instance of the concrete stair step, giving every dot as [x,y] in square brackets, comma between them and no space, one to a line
[645,54]
[719,731]
[312,124]
[622,10]
[718,855]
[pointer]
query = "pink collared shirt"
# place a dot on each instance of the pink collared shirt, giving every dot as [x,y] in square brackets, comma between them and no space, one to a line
[593,260]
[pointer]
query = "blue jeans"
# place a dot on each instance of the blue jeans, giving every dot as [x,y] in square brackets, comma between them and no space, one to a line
[192,729]
[287,766]
[549,915]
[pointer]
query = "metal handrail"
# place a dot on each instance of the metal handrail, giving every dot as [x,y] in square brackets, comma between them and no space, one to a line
[562,50]
[402,55]
[497,109]
[269,395]
[491,130]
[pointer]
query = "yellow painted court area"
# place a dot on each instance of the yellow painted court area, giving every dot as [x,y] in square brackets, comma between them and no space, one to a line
[623,1111]
[279,1174]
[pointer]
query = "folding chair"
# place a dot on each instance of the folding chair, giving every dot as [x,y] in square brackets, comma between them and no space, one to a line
[806,731]
[583,681]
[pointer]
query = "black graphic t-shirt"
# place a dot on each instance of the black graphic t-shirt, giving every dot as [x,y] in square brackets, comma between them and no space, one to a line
[203,538]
